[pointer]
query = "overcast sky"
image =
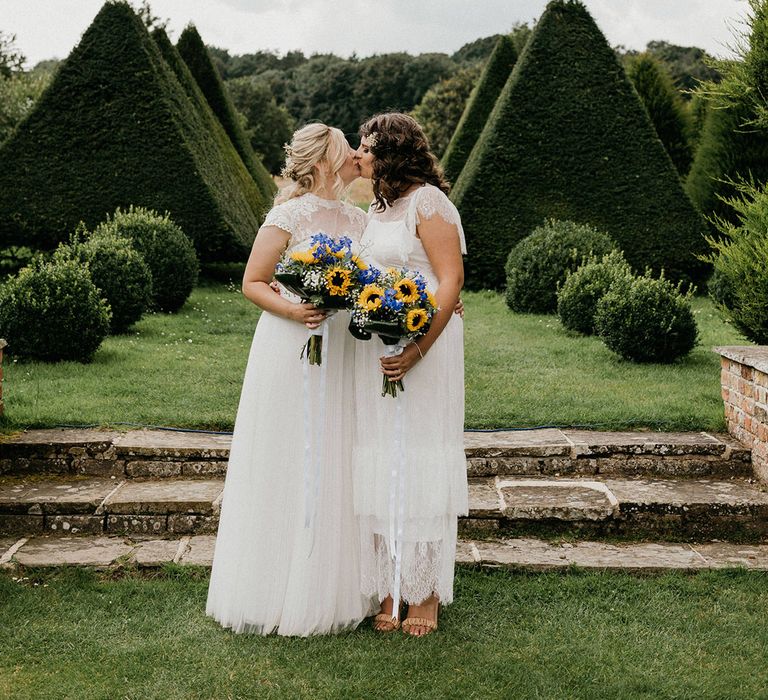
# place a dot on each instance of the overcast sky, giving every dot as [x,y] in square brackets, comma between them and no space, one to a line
[51,28]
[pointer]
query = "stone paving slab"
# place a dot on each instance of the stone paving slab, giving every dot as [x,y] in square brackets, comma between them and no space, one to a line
[538,499]
[593,442]
[687,492]
[76,551]
[172,443]
[527,553]
[6,543]
[23,495]
[546,442]
[165,496]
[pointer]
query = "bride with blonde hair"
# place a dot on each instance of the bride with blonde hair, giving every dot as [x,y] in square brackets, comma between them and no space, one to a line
[287,550]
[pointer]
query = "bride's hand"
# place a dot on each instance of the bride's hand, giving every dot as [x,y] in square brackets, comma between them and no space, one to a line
[308,314]
[396,367]
[459,309]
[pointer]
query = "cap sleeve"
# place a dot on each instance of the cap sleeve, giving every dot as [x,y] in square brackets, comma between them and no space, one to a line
[283,217]
[433,202]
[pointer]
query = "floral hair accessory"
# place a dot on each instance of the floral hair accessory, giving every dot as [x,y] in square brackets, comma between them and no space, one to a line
[289,169]
[373,139]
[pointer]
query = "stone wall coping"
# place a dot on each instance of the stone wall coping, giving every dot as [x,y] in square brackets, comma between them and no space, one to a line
[755,356]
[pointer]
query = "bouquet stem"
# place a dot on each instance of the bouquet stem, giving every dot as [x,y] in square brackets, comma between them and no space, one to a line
[314,350]
[390,388]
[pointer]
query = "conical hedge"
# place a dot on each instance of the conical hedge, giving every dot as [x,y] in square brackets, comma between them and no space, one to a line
[569,139]
[665,107]
[116,128]
[479,106]
[196,56]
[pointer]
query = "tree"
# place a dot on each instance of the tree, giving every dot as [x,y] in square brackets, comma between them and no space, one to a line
[116,128]
[268,125]
[195,55]
[665,107]
[443,104]
[734,139]
[479,106]
[18,95]
[569,139]
[11,59]
[688,65]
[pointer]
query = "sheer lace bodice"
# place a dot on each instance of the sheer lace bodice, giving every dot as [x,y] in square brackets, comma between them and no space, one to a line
[304,216]
[390,238]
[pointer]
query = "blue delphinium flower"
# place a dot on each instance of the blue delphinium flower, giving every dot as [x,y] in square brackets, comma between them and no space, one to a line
[370,275]
[390,302]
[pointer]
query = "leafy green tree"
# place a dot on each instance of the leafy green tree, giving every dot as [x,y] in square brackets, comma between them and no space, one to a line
[665,107]
[11,59]
[734,140]
[688,65]
[443,104]
[268,125]
[18,95]
[569,139]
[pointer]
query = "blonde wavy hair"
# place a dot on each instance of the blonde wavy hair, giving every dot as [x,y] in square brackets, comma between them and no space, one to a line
[316,152]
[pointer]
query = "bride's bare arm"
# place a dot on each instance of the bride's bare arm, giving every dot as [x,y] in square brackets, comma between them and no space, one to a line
[266,252]
[441,243]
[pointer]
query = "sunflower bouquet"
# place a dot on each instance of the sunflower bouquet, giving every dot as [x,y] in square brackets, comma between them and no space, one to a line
[395,305]
[326,275]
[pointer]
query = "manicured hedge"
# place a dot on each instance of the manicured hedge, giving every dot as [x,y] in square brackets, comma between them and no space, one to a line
[479,106]
[569,139]
[116,128]
[665,107]
[192,50]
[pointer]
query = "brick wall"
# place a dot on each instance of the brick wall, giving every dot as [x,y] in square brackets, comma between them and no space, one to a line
[744,380]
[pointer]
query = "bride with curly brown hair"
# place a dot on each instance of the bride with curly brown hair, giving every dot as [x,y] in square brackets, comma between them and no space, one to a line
[410,483]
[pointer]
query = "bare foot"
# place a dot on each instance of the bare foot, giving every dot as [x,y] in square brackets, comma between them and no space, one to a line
[426,610]
[383,621]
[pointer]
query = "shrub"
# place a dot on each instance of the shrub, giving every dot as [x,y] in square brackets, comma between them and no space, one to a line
[740,261]
[53,311]
[539,263]
[168,253]
[118,271]
[578,296]
[569,139]
[647,320]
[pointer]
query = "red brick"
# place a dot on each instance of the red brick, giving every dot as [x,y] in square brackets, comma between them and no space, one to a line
[761,378]
[747,372]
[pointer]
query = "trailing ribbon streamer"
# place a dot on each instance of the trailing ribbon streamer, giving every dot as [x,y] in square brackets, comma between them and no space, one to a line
[314,439]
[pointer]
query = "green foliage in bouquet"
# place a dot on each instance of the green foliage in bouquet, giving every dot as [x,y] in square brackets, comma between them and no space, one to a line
[570,139]
[578,296]
[168,253]
[647,319]
[52,311]
[665,107]
[539,263]
[740,261]
[479,106]
[119,272]
[115,128]
[197,58]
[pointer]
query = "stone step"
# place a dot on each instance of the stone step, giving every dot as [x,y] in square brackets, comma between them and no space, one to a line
[626,508]
[522,553]
[548,451]
[587,507]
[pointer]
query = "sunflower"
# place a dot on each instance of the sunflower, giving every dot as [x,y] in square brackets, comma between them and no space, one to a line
[359,263]
[431,299]
[407,291]
[338,280]
[370,297]
[415,319]
[304,256]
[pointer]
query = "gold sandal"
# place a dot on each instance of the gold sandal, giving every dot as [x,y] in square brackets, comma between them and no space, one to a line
[384,618]
[410,622]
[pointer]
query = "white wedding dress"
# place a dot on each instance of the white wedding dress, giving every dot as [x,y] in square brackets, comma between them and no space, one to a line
[410,487]
[287,550]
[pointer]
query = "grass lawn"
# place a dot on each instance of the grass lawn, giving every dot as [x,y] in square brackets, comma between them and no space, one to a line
[186,370]
[78,634]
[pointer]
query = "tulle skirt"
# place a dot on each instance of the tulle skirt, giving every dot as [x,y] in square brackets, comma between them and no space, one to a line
[287,550]
[410,478]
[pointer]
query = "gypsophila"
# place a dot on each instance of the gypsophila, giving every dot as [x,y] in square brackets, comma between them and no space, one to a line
[373,139]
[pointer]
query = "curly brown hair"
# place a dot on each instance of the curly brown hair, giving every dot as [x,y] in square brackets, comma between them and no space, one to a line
[401,157]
